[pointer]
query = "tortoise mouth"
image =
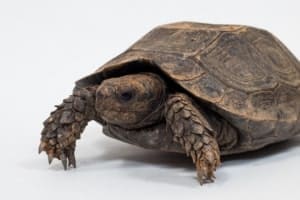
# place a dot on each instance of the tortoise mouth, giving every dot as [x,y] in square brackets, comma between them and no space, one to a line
[118,117]
[132,119]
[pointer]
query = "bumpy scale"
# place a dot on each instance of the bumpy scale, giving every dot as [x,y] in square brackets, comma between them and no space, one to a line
[194,133]
[66,124]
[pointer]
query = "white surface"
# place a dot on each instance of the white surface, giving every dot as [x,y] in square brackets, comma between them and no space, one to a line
[46,45]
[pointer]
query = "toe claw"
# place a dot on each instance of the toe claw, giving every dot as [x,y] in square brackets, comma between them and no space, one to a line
[63,159]
[72,160]
[50,159]
[41,147]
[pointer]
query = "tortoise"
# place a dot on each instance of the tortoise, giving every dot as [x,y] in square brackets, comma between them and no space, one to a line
[205,90]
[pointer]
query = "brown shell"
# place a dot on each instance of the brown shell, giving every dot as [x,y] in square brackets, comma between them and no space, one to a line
[245,73]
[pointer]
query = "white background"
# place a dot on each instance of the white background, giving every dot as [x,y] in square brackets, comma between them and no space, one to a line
[46,45]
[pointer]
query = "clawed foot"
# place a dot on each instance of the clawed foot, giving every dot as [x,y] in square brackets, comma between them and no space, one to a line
[206,166]
[62,129]
[66,155]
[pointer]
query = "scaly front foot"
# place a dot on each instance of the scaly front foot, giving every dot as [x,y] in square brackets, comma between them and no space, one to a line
[65,125]
[191,128]
[207,160]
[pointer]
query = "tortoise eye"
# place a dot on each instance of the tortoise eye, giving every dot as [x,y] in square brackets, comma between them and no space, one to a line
[126,96]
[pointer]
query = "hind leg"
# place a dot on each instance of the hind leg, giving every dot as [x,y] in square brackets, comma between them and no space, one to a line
[192,130]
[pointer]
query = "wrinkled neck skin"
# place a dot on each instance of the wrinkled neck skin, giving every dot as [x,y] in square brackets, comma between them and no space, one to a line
[149,133]
[152,137]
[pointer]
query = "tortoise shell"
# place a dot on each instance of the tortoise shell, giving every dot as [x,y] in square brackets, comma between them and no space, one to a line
[244,74]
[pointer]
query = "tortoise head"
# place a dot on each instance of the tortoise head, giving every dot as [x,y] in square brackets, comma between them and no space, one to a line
[131,101]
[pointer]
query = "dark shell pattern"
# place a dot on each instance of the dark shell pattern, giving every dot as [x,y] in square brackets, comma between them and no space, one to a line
[245,74]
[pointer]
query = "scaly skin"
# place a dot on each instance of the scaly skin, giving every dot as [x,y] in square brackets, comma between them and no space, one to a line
[193,132]
[65,125]
[185,128]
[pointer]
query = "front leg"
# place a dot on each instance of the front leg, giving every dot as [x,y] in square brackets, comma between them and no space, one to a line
[65,125]
[193,131]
